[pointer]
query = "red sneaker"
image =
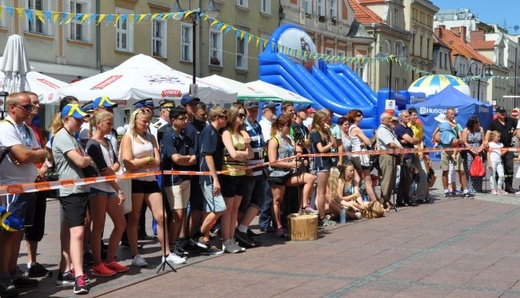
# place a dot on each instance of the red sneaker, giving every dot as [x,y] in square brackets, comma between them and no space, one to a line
[102,270]
[115,266]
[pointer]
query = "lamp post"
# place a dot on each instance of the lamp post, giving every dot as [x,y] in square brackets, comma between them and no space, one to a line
[481,74]
[212,11]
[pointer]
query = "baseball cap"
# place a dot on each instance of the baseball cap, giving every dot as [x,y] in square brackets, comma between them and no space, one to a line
[269,105]
[251,103]
[103,101]
[88,107]
[302,108]
[73,110]
[187,99]
[500,109]
[147,102]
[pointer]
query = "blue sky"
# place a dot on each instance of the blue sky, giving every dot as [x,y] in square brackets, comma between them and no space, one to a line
[491,12]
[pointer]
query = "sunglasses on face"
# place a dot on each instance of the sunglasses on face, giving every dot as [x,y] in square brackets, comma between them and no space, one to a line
[27,107]
[242,115]
[222,116]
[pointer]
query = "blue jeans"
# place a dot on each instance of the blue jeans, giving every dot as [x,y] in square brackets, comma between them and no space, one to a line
[265,218]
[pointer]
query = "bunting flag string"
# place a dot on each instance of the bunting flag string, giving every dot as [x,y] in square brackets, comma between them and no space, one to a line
[60,18]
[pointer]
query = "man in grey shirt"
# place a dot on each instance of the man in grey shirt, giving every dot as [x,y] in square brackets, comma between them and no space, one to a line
[386,139]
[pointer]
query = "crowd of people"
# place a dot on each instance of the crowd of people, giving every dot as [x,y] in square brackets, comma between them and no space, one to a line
[308,155]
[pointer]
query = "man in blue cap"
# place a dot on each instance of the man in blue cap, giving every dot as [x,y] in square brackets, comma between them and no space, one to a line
[190,104]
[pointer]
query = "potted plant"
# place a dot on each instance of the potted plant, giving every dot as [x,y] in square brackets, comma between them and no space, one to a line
[214,61]
[322,18]
[334,20]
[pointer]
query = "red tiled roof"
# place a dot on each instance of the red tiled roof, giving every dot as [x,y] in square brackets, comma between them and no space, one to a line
[371,1]
[459,47]
[363,14]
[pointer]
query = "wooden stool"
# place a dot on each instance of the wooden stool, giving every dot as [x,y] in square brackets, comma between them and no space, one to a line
[303,227]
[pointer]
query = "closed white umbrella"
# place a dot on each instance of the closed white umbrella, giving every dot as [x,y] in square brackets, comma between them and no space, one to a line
[15,65]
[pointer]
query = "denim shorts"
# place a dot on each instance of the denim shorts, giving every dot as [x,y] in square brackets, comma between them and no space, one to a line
[212,203]
[94,192]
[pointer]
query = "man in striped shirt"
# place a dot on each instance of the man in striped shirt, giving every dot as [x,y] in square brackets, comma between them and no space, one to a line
[253,198]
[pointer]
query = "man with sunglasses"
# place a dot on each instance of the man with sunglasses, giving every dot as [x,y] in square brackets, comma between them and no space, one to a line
[178,154]
[190,104]
[17,167]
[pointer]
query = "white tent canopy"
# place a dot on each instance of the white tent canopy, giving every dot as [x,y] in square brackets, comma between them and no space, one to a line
[244,91]
[45,86]
[143,77]
[277,92]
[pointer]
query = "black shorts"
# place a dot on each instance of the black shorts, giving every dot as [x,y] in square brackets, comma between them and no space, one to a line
[75,209]
[36,231]
[254,193]
[279,181]
[23,205]
[231,185]
[146,187]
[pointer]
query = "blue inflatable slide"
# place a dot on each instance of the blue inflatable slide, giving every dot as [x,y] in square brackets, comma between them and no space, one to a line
[333,86]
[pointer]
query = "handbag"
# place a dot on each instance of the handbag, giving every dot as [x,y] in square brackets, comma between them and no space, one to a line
[365,159]
[373,209]
[477,167]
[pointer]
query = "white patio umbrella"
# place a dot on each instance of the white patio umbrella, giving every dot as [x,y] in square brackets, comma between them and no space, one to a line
[46,87]
[15,65]
[143,77]
[279,92]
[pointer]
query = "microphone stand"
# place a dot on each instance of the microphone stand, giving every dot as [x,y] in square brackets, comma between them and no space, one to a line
[162,267]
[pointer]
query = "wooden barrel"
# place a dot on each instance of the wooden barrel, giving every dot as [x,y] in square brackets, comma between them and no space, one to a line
[303,227]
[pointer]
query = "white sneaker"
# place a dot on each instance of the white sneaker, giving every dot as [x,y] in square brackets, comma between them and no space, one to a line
[174,259]
[138,261]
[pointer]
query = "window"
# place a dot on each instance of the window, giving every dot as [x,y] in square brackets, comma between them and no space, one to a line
[241,60]
[34,24]
[428,48]
[242,3]
[265,6]
[3,21]
[445,60]
[341,55]
[395,17]
[78,30]
[215,47]
[186,42]
[359,68]
[420,46]
[124,32]
[307,6]
[159,38]
[333,9]
[330,53]
[320,8]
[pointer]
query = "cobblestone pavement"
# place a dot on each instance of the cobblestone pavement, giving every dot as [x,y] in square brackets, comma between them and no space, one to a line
[454,247]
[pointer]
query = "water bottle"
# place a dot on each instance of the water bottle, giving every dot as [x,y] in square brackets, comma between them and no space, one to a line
[343,215]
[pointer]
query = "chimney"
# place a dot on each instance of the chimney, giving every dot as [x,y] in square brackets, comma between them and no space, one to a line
[438,31]
[463,33]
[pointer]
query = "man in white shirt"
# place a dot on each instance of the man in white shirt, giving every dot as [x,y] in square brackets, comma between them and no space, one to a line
[17,167]
[268,116]
[387,139]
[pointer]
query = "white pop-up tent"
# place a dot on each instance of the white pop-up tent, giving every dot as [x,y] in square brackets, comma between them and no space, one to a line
[277,92]
[143,77]
[46,87]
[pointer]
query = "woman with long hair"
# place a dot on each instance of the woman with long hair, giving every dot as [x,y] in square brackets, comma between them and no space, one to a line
[105,197]
[472,136]
[237,145]
[322,141]
[282,171]
[358,141]
[348,195]
[140,154]
[70,158]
